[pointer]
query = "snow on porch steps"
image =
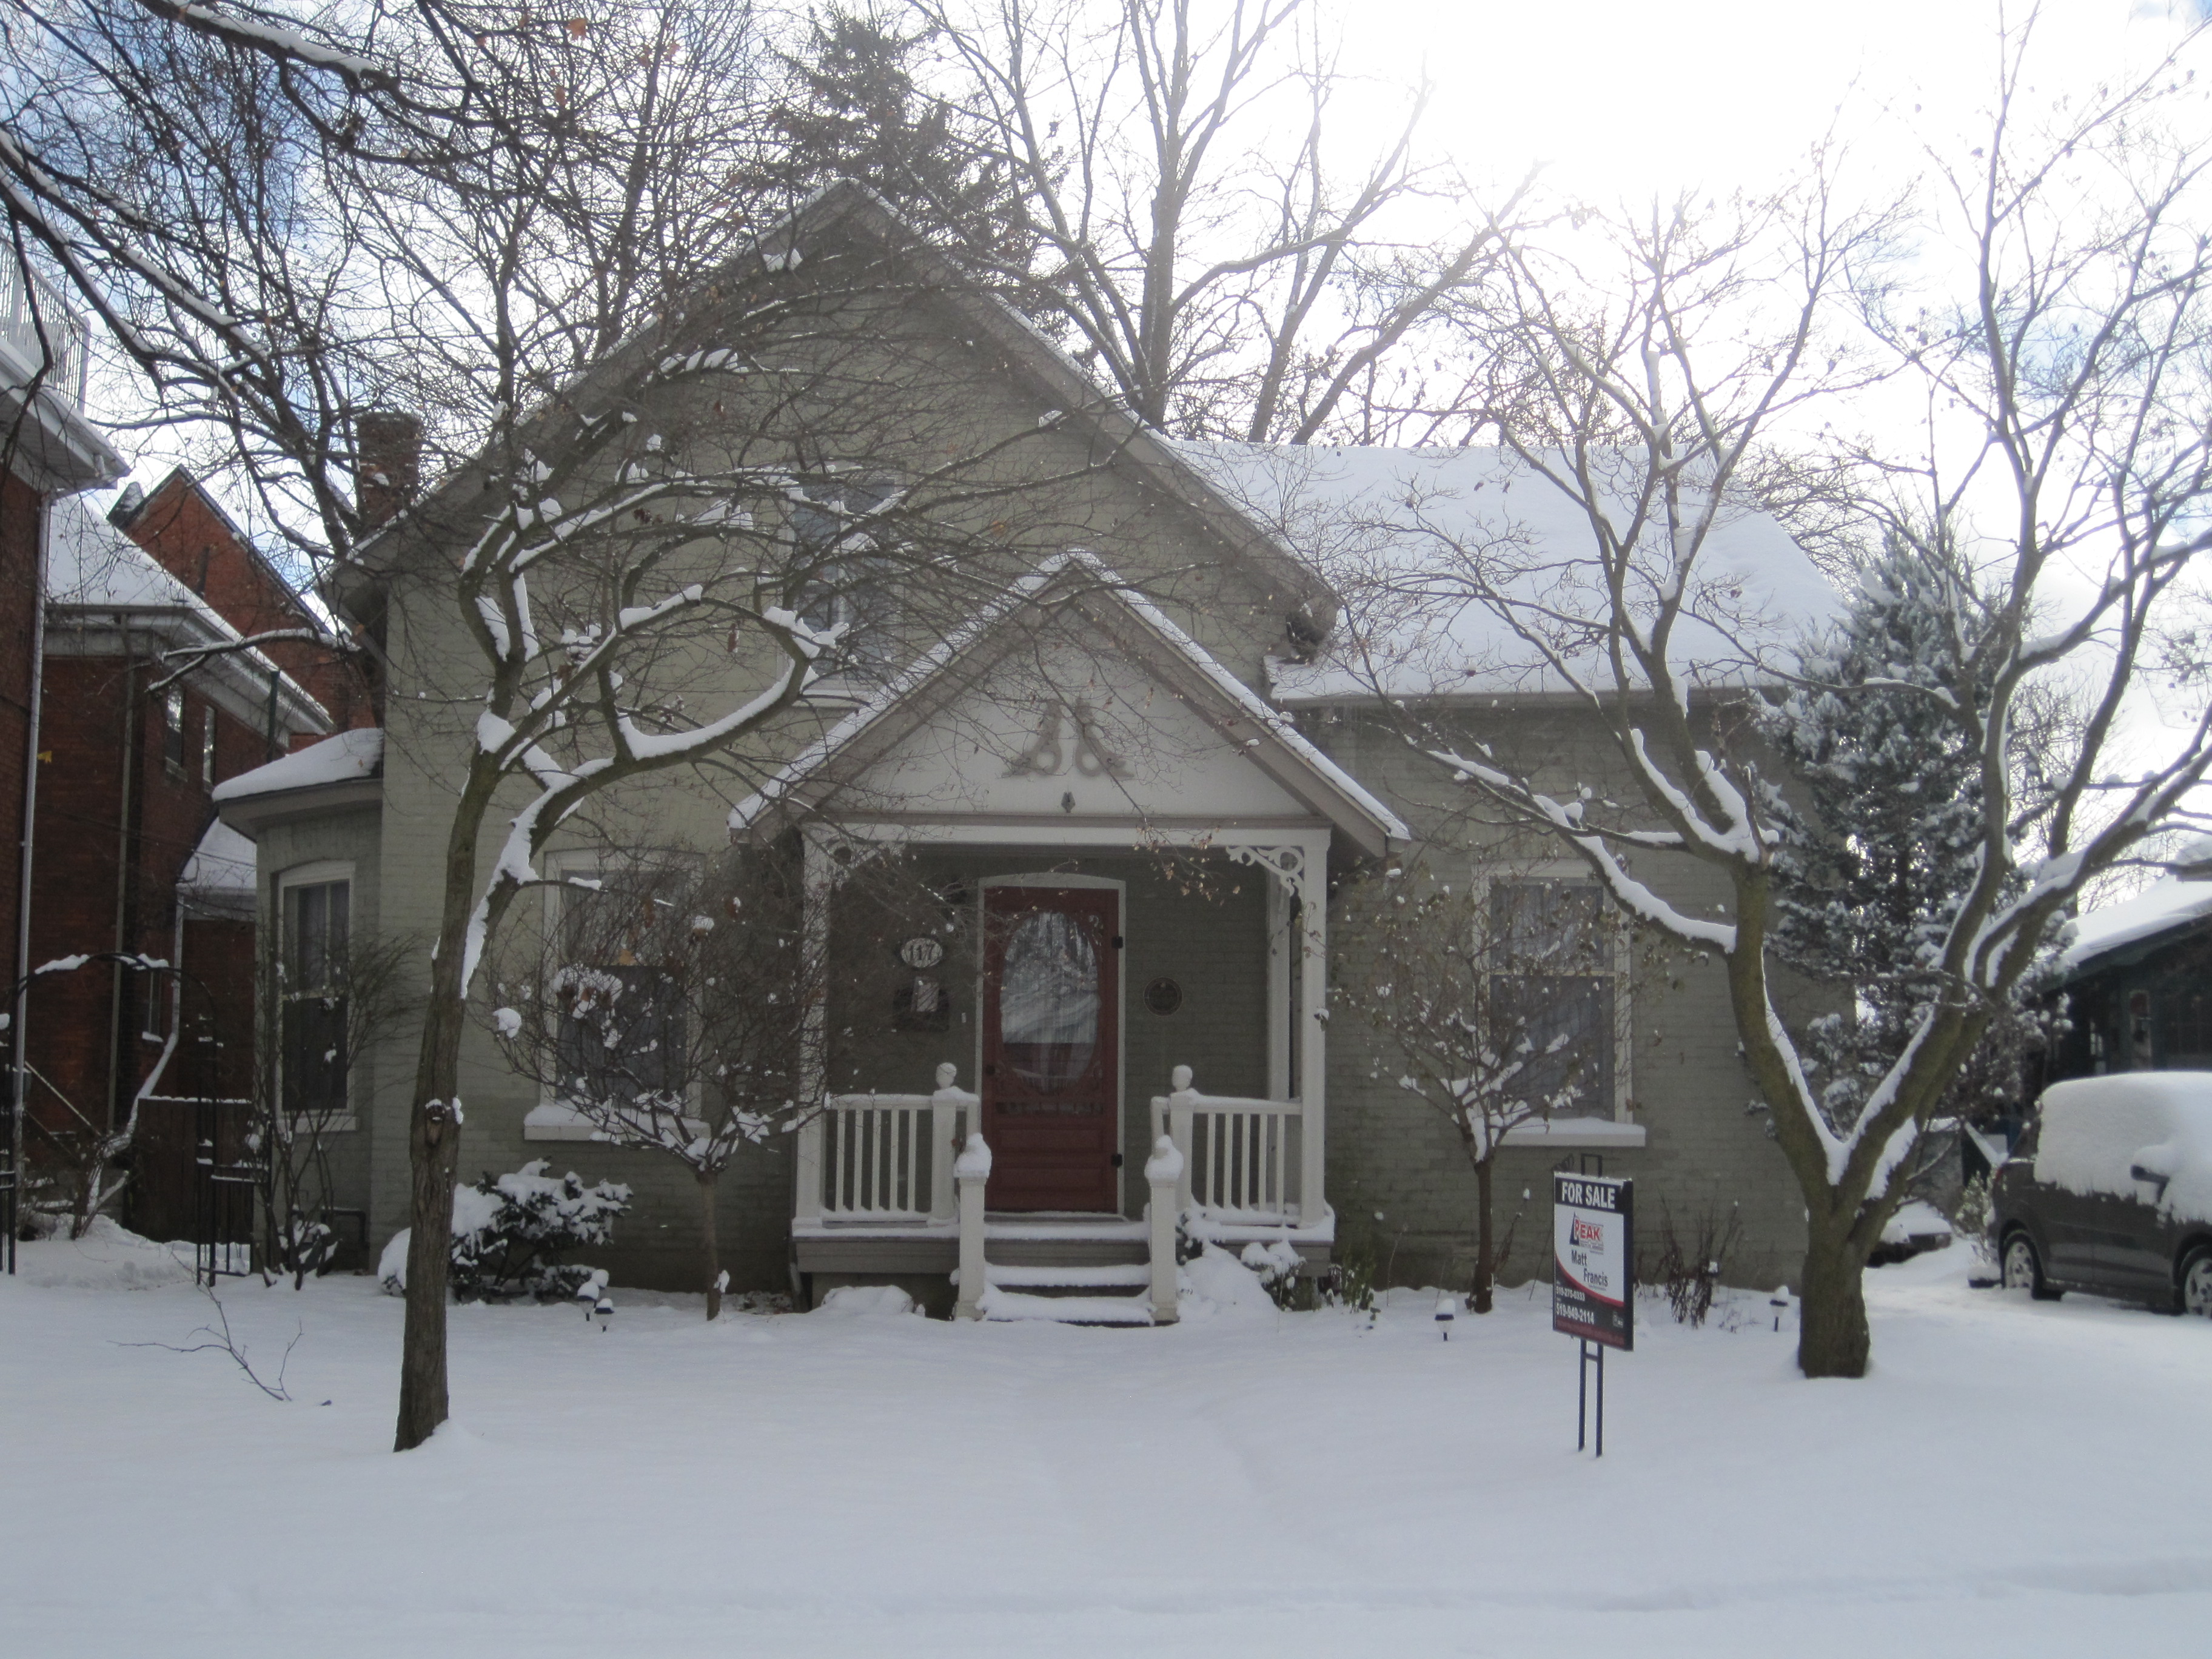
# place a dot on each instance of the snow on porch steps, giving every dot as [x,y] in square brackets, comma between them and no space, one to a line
[1000,1305]
[1116,1275]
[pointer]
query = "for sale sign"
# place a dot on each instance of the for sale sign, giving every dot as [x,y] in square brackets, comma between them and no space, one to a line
[1593,1259]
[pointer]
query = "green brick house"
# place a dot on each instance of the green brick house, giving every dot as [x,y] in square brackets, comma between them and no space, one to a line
[1137,781]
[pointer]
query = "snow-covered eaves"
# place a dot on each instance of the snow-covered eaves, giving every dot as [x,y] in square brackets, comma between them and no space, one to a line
[1404,536]
[218,879]
[341,771]
[107,594]
[2167,906]
[55,449]
[1273,744]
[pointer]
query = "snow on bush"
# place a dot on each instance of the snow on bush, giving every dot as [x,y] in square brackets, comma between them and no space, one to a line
[1213,1276]
[1276,1266]
[866,1301]
[2096,1131]
[509,1230]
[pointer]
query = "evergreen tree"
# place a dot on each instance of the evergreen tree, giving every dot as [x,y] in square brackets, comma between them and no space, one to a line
[856,110]
[1883,841]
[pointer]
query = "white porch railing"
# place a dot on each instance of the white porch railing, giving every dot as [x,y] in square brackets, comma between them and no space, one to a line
[882,1157]
[1241,1158]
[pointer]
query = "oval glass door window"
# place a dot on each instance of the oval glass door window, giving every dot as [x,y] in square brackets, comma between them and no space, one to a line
[1048,1000]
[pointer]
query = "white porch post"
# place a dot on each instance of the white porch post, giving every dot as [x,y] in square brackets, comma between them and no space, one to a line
[1313,1035]
[945,1109]
[972,1169]
[1163,1174]
[1280,945]
[1182,1110]
[819,881]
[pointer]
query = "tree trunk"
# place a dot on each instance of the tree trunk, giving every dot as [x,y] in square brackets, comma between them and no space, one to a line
[1485,1253]
[710,1244]
[434,1147]
[1832,1337]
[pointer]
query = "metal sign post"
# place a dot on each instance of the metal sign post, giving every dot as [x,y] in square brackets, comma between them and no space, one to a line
[1593,1281]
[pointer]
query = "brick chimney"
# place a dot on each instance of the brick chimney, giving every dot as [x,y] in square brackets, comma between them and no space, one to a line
[388,463]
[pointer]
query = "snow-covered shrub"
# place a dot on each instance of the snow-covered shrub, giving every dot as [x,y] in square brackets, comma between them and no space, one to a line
[866,1301]
[1276,1265]
[510,1230]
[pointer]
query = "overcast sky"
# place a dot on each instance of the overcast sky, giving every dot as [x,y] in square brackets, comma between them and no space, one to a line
[1626,97]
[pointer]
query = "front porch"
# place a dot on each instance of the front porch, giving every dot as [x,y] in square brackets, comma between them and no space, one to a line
[1235,1179]
[1205,957]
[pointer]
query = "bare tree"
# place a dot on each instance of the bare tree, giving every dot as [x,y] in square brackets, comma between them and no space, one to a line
[321,1012]
[2063,318]
[629,570]
[1495,990]
[666,999]
[279,221]
[1202,236]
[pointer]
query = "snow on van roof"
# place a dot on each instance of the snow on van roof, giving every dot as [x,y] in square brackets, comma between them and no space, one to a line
[2096,1133]
[1389,527]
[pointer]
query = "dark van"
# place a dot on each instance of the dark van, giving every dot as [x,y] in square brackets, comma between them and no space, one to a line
[2110,1190]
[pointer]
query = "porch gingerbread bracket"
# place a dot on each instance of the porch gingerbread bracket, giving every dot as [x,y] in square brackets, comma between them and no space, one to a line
[1288,864]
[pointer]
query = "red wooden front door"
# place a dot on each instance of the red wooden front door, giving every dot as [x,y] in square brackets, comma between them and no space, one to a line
[1052,1040]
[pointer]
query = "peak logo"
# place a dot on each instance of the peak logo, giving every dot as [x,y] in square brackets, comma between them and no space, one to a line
[1583,1230]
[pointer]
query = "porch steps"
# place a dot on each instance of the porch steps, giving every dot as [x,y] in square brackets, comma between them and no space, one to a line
[1066,1269]
[1003,1306]
[1112,1275]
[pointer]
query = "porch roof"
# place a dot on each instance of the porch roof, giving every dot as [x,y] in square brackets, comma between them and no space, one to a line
[1260,733]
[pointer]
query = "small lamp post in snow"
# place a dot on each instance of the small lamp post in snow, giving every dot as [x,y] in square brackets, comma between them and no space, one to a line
[1447,1311]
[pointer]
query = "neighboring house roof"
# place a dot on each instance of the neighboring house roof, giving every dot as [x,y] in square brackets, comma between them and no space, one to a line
[219,876]
[1397,532]
[907,699]
[2167,906]
[341,771]
[100,581]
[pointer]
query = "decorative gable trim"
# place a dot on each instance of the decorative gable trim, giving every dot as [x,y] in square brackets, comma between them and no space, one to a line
[1134,625]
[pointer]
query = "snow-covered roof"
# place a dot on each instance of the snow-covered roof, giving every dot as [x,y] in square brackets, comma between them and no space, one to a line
[220,874]
[94,571]
[1389,528]
[2170,903]
[223,861]
[351,756]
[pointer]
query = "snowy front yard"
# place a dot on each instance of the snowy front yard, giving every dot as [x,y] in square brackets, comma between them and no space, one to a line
[2018,1478]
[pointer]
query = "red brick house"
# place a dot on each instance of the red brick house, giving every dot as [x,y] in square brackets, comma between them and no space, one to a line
[48,452]
[130,754]
[195,540]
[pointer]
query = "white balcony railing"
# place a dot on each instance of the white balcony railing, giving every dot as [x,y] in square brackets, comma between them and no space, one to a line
[63,353]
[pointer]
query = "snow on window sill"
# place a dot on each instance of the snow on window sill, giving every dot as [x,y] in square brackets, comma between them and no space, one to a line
[556,1122]
[1573,1132]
